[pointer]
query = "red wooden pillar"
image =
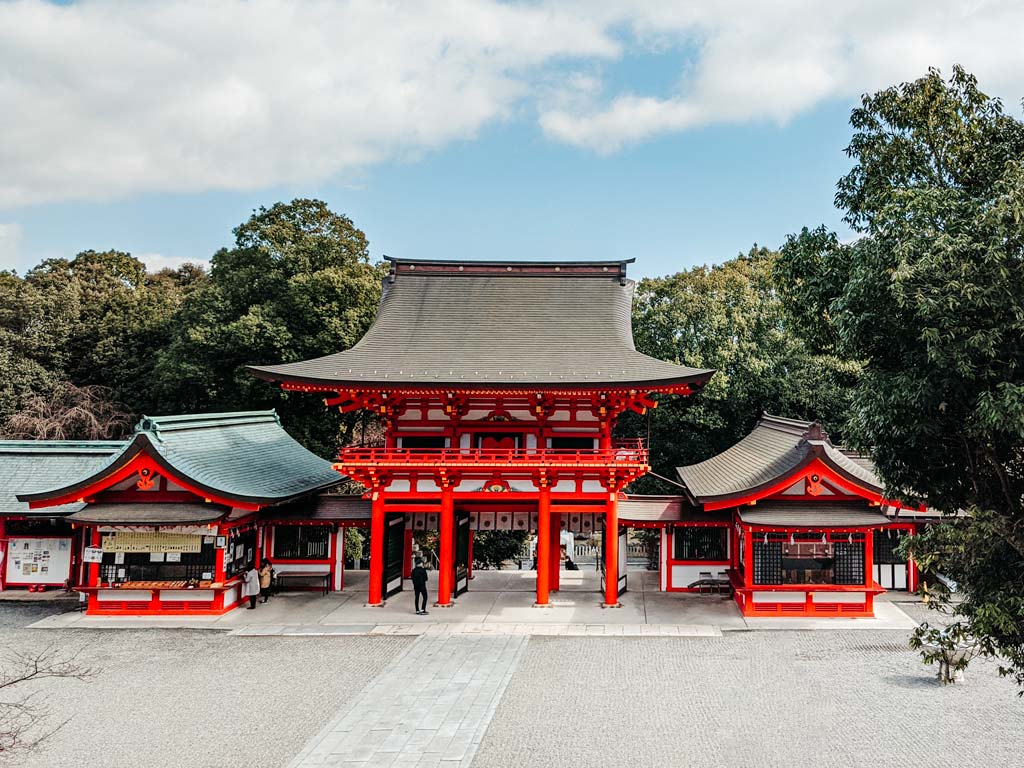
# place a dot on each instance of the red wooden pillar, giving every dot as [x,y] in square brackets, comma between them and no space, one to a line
[469,567]
[407,553]
[748,557]
[376,591]
[911,569]
[869,557]
[446,534]
[3,553]
[611,550]
[554,575]
[543,555]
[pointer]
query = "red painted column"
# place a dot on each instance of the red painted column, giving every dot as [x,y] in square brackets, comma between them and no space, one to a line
[748,567]
[407,553]
[446,534]
[543,558]
[3,553]
[911,569]
[376,591]
[554,575]
[470,565]
[93,578]
[611,550]
[869,557]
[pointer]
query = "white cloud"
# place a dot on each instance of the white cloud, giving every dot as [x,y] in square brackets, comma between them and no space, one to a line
[103,98]
[756,60]
[10,241]
[156,261]
[110,98]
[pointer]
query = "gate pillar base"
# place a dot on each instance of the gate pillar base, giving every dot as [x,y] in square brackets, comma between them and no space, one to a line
[611,605]
[543,605]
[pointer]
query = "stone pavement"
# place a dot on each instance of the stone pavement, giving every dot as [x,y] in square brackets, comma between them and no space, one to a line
[496,598]
[430,707]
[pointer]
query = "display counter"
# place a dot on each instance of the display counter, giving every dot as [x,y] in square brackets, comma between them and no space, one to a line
[164,597]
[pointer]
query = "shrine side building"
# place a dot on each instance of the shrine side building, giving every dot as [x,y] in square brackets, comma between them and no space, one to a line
[499,385]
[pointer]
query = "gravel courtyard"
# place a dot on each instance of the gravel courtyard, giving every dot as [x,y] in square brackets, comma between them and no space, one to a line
[747,698]
[192,697]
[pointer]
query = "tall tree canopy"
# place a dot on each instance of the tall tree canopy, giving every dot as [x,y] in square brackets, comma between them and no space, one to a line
[730,318]
[932,298]
[297,284]
[96,320]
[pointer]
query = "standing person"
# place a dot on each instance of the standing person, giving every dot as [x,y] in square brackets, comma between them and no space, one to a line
[419,586]
[266,576]
[251,585]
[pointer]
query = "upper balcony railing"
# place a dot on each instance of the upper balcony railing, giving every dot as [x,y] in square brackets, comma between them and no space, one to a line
[621,453]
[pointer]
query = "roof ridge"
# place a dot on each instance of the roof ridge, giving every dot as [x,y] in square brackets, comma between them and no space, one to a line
[181,422]
[512,262]
[87,446]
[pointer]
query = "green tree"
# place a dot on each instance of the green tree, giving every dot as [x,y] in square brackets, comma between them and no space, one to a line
[729,317]
[297,284]
[932,297]
[492,549]
[94,320]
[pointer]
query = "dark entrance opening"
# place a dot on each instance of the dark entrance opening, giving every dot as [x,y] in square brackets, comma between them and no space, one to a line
[394,551]
[461,552]
[623,556]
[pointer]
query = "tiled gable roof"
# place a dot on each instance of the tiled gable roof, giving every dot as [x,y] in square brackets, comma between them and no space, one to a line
[245,457]
[513,325]
[35,465]
[774,448]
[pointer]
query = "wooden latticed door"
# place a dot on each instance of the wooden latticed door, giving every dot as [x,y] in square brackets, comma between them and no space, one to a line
[394,551]
[461,579]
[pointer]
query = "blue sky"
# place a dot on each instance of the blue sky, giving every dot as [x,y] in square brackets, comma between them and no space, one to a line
[466,129]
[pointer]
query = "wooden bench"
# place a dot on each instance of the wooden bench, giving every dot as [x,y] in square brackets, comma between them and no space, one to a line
[316,577]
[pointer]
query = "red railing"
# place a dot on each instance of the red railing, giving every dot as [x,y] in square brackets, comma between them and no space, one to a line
[621,452]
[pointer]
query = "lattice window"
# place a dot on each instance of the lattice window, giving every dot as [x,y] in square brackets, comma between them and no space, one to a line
[849,563]
[886,546]
[767,562]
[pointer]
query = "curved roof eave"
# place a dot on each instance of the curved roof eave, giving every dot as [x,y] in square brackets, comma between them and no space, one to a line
[277,374]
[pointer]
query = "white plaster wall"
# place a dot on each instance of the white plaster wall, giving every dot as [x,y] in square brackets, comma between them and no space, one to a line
[779,597]
[116,595]
[192,595]
[684,575]
[837,597]
[300,567]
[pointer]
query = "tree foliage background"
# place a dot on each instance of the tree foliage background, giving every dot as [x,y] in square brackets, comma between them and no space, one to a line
[907,342]
[932,298]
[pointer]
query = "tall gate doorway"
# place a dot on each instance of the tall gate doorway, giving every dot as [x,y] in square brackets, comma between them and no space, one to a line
[394,549]
[623,552]
[462,529]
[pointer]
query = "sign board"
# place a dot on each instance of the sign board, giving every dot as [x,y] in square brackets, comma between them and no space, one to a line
[93,555]
[38,560]
[151,542]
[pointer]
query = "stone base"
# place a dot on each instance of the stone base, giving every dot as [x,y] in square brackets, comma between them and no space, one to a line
[611,605]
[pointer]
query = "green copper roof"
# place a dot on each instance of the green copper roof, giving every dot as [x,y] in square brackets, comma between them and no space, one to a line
[243,457]
[512,325]
[775,448]
[33,465]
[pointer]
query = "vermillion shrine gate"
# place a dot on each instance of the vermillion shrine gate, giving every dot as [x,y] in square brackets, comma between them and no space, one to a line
[499,385]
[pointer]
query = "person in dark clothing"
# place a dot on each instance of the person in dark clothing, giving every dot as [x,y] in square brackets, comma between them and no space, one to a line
[419,585]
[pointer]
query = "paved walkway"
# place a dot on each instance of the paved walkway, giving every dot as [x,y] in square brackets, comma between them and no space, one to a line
[430,707]
[499,599]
